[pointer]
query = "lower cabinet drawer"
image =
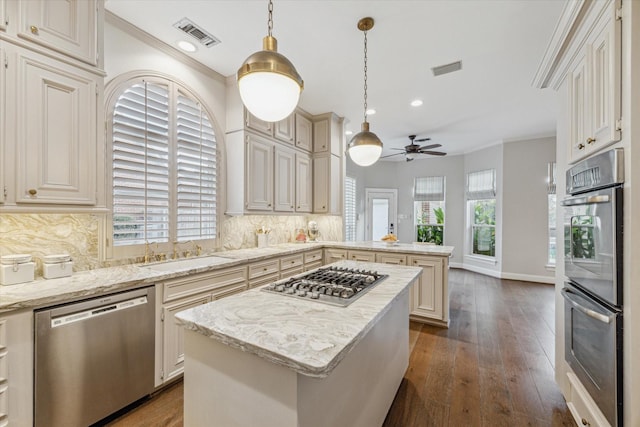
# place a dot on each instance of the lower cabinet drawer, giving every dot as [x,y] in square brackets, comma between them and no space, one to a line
[263,268]
[185,286]
[264,280]
[291,272]
[312,265]
[313,256]
[584,410]
[291,261]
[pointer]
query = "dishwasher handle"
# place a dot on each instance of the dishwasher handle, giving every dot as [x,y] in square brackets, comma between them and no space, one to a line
[91,313]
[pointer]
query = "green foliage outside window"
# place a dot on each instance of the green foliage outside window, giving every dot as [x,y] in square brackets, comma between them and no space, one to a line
[431,233]
[484,231]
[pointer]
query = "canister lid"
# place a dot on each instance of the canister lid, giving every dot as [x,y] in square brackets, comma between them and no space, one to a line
[15,259]
[56,259]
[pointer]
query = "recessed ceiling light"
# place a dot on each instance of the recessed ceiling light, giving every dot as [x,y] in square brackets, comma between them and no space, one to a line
[348,132]
[371,112]
[186,46]
[416,103]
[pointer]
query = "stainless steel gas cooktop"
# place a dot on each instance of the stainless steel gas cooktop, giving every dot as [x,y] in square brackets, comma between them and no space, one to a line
[330,285]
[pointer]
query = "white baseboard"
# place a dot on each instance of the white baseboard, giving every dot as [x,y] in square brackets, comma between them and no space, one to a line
[500,275]
[529,278]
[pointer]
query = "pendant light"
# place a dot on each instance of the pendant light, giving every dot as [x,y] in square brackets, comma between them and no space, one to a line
[269,84]
[365,147]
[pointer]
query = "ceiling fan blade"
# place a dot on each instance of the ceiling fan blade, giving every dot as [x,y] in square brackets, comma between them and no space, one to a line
[422,140]
[429,147]
[434,153]
[391,155]
[400,149]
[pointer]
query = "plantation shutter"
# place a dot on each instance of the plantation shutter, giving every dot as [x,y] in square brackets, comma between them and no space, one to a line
[481,185]
[141,165]
[196,172]
[429,189]
[350,209]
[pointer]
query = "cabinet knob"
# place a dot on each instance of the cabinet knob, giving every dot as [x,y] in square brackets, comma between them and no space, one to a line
[580,146]
[34,30]
[415,261]
[324,207]
[291,207]
[298,207]
[33,191]
[269,205]
[264,269]
[591,140]
[585,422]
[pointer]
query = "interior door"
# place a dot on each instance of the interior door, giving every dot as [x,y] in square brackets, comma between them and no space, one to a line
[382,212]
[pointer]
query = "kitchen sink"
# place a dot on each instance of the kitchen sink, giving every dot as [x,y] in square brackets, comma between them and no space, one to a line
[187,264]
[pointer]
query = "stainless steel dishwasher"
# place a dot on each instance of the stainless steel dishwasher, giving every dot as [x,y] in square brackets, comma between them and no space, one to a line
[93,357]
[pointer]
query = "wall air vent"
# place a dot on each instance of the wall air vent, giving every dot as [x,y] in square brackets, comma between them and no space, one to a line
[447,68]
[189,27]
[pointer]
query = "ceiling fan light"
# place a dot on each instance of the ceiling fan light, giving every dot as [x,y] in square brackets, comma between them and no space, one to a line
[410,156]
[365,147]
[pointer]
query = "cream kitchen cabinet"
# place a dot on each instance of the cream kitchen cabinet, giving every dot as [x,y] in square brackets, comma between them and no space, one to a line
[4,18]
[16,369]
[304,132]
[328,179]
[428,299]
[259,173]
[313,259]
[261,273]
[333,255]
[3,127]
[291,265]
[55,107]
[327,134]
[181,294]
[594,84]
[68,27]
[285,129]
[304,183]
[255,124]
[391,258]
[364,256]
[285,180]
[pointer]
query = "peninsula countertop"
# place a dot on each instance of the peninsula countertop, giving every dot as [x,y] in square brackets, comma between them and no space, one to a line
[41,292]
[306,336]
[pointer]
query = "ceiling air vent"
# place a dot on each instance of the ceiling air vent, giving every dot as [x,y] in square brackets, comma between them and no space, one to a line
[189,27]
[447,68]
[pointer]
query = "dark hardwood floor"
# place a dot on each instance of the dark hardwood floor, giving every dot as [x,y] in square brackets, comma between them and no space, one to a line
[492,367]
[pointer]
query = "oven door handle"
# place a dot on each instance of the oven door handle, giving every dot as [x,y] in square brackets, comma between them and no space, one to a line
[587,200]
[591,313]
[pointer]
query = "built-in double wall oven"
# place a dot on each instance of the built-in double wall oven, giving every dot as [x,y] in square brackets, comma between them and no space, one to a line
[593,309]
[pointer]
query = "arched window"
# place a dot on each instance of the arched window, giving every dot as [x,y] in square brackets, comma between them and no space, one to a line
[164,163]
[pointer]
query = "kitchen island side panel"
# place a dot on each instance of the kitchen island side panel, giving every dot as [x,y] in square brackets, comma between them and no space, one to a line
[229,387]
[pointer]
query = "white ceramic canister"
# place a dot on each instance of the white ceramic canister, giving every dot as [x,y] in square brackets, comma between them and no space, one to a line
[16,268]
[56,266]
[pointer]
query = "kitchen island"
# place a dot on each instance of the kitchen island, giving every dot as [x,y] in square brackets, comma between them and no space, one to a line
[258,358]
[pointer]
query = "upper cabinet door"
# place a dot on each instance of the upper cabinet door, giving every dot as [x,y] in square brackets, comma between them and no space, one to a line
[56,132]
[304,132]
[3,15]
[3,112]
[285,180]
[254,123]
[259,170]
[606,75]
[67,26]
[285,129]
[304,187]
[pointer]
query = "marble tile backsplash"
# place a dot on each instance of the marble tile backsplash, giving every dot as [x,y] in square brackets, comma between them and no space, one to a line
[78,235]
[50,234]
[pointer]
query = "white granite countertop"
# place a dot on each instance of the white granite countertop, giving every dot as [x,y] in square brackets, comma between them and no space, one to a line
[41,292]
[306,336]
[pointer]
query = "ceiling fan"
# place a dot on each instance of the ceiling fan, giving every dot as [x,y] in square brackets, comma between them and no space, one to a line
[410,151]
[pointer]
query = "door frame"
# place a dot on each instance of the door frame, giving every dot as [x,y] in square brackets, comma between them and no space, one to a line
[393,209]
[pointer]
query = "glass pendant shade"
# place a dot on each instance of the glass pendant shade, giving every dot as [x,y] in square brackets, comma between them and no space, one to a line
[269,84]
[365,147]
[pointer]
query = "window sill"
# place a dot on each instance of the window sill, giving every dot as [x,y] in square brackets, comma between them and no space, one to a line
[550,267]
[482,259]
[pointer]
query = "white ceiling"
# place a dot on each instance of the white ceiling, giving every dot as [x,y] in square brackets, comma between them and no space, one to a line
[500,43]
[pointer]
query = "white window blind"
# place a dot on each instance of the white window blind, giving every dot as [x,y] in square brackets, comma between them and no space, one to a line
[481,185]
[164,167]
[350,209]
[428,189]
[196,172]
[141,165]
